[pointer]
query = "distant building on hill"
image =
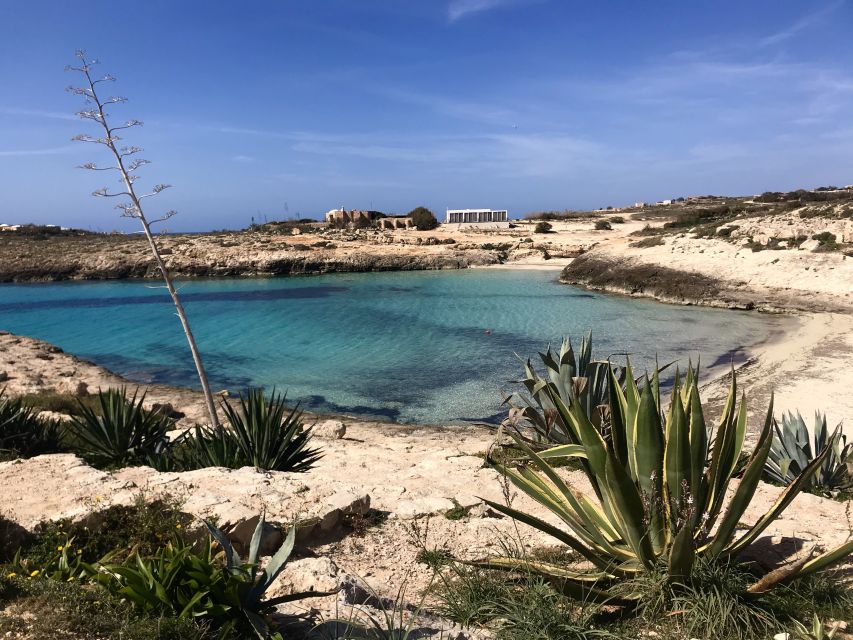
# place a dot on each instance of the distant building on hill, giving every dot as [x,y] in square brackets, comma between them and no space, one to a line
[479,217]
[341,217]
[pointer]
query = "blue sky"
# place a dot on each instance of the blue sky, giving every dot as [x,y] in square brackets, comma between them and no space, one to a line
[286,108]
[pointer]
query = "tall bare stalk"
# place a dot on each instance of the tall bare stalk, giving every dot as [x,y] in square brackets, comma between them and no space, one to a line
[132,209]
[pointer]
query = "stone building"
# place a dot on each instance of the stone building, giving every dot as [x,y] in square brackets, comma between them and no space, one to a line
[395,222]
[356,217]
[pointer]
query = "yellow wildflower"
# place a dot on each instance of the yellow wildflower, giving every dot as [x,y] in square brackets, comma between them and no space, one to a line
[11,575]
[178,526]
[34,573]
[60,548]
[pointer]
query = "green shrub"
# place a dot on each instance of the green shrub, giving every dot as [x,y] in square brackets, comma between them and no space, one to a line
[42,609]
[524,608]
[121,432]
[617,220]
[119,531]
[661,485]
[180,582]
[23,433]
[423,219]
[603,225]
[65,403]
[794,448]
[827,241]
[542,227]
[263,433]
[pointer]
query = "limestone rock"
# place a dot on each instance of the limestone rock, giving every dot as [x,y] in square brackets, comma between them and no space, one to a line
[54,415]
[331,429]
[306,574]
[240,534]
[72,387]
[809,245]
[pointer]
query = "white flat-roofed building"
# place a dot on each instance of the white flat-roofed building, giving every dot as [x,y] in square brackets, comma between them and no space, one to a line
[490,217]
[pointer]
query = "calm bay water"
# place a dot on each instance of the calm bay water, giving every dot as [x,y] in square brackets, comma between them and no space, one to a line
[409,346]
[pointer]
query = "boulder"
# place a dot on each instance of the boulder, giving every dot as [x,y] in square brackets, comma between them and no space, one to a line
[331,429]
[241,531]
[73,387]
[809,245]
[340,505]
[307,574]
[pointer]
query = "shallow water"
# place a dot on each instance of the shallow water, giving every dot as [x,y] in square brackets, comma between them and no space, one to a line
[424,347]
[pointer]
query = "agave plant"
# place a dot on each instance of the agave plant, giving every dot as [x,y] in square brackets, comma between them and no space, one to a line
[252,583]
[263,433]
[121,431]
[188,583]
[23,433]
[794,448]
[572,378]
[660,487]
[177,581]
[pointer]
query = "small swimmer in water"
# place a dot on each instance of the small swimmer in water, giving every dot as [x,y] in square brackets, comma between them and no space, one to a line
[488,332]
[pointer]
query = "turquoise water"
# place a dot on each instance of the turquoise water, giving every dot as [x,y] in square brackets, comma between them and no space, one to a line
[407,346]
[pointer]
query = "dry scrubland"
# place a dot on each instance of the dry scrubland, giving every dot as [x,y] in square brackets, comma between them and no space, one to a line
[388,501]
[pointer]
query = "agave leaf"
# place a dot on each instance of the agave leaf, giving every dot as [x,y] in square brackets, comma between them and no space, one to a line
[746,489]
[543,568]
[826,559]
[569,540]
[618,409]
[681,555]
[255,543]
[676,458]
[776,577]
[781,503]
[628,508]
[647,450]
[564,504]
[232,558]
[274,567]
[563,451]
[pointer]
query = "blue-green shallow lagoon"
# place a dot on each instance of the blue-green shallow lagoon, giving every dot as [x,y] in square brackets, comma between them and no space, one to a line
[405,346]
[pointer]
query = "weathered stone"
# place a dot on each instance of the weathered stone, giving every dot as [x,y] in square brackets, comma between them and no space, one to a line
[306,574]
[332,429]
[341,504]
[809,245]
[240,534]
[72,387]
[421,506]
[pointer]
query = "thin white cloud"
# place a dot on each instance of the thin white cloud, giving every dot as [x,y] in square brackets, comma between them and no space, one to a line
[459,108]
[243,159]
[800,25]
[17,153]
[37,113]
[458,9]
